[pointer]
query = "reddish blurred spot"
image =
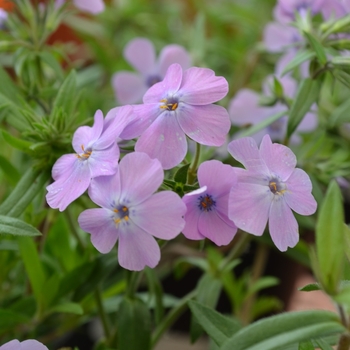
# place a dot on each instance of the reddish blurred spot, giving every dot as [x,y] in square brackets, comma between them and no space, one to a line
[7,5]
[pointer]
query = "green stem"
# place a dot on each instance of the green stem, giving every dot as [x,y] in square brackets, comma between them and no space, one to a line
[192,171]
[133,278]
[71,224]
[171,317]
[102,314]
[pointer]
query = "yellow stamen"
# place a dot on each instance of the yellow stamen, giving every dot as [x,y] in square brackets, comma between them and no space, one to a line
[117,221]
[126,218]
[116,210]
[125,209]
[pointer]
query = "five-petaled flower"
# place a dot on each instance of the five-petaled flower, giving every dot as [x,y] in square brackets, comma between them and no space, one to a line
[207,207]
[268,190]
[180,105]
[131,213]
[96,154]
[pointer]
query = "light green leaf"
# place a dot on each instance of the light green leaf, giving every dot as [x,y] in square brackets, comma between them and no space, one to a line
[307,345]
[330,239]
[299,58]
[310,287]
[217,326]
[68,308]
[318,48]
[307,95]
[276,332]
[15,142]
[16,227]
[340,114]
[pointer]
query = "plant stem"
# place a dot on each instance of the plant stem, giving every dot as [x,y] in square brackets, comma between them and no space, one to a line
[102,314]
[192,171]
[344,341]
[171,317]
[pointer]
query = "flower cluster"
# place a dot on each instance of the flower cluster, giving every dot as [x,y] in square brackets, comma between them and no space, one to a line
[132,212]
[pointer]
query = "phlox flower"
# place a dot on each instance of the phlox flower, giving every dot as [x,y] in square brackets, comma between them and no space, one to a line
[96,154]
[91,6]
[131,213]
[268,190]
[130,87]
[29,344]
[207,207]
[180,105]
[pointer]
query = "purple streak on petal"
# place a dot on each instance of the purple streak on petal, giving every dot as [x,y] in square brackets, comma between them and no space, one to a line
[210,225]
[129,87]
[137,248]
[192,215]
[165,88]
[105,190]
[249,206]
[11,345]
[200,86]
[282,225]
[64,191]
[63,166]
[86,136]
[99,223]
[160,215]
[245,151]
[298,195]
[104,162]
[164,140]
[218,177]
[92,6]
[277,36]
[140,53]
[140,177]
[173,54]
[145,115]
[207,124]
[279,159]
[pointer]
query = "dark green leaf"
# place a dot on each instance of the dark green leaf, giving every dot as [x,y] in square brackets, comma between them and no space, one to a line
[310,287]
[10,172]
[10,319]
[217,326]
[181,174]
[16,227]
[155,288]
[306,345]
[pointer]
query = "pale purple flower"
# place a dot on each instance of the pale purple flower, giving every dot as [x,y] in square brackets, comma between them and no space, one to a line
[29,344]
[180,105]
[130,87]
[3,18]
[335,8]
[207,207]
[131,213]
[268,190]
[96,154]
[91,6]
[244,110]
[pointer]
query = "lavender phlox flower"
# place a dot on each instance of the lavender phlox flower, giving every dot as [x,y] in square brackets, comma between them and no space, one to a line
[3,18]
[91,6]
[96,154]
[180,105]
[29,344]
[131,213]
[335,8]
[268,190]
[207,207]
[130,87]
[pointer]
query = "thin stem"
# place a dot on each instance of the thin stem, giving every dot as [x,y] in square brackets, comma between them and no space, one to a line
[133,278]
[102,313]
[192,171]
[73,229]
[344,341]
[171,317]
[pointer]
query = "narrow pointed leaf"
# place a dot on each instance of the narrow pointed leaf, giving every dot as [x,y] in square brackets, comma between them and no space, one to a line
[16,227]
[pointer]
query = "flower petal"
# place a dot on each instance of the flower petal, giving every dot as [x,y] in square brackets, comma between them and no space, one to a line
[218,177]
[210,225]
[140,177]
[140,53]
[99,223]
[11,345]
[144,116]
[160,215]
[245,151]
[173,54]
[200,86]
[64,166]
[86,136]
[282,225]
[249,206]
[105,190]
[167,87]
[137,248]
[298,195]
[207,125]
[277,36]
[104,162]
[279,159]
[164,140]
[128,87]
[92,6]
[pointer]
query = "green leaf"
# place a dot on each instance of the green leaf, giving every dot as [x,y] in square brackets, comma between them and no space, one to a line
[330,239]
[341,61]
[155,288]
[181,174]
[17,143]
[16,227]
[318,48]
[32,265]
[262,283]
[263,124]
[310,287]
[340,114]
[10,319]
[68,308]
[276,332]
[134,325]
[307,345]
[10,172]
[342,76]
[217,326]
[51,61]
[323,345]
[307,95]
[299,58]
